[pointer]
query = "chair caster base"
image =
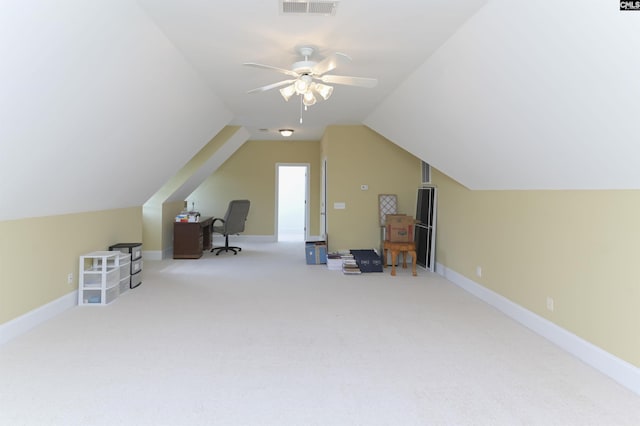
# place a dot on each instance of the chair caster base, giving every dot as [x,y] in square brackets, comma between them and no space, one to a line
[235,250]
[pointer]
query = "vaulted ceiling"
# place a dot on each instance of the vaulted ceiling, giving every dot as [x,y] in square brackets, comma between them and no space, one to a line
[386,40]
[110,94]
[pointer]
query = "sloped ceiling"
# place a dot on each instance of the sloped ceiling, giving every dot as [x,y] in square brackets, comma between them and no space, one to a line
[527,95]
[98,108]
[386,39]
[102,102]
[209,165]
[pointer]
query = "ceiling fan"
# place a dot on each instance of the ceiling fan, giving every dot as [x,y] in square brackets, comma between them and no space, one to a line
[308,77]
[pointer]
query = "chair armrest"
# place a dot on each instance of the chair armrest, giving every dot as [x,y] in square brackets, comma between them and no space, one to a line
[217,218]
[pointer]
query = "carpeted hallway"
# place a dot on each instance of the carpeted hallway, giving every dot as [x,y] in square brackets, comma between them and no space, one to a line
[261,338]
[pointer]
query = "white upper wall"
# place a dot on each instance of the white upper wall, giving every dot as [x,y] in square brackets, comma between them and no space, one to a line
[527,95]
[97,107]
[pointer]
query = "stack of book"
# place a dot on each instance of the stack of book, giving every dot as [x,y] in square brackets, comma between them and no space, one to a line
[349,265]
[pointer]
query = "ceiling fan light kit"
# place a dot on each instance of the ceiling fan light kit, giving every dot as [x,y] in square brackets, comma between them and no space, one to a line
[309,98]
[288,92]
[303,84]
[323,90]
[306,73]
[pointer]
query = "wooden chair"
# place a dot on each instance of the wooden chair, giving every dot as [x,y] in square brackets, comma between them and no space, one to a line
[396,249]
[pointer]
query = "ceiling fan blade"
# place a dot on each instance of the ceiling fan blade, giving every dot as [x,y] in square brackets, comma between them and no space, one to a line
[271,86]
[269,67]
[349,81]
[329,63]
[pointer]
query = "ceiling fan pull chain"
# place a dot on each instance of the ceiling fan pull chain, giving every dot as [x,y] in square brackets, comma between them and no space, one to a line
[300,109]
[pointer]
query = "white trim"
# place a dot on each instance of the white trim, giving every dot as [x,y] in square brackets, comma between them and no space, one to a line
[218,239]
[307,192]
[31,319]
[617,369]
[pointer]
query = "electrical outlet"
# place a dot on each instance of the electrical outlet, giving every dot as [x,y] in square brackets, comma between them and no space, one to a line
[70,278]
[550,304]
[479,271]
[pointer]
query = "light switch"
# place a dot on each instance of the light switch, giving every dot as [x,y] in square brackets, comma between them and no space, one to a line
[339,206]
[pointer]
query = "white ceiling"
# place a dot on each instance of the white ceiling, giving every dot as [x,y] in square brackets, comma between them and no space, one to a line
[386,40]
[527,95]
[104,101]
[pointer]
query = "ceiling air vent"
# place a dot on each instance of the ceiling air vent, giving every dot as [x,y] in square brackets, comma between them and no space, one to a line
[308,7]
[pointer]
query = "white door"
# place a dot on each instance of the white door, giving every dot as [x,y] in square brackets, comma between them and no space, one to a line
[292,201]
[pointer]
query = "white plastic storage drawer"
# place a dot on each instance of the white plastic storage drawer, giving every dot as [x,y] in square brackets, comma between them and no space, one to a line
[136,279]
[95,296]
[134,248]
[124,283]
[94,279]
[125,265]
[136,266]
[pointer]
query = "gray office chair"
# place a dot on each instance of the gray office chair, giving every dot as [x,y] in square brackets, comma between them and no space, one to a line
[232,223]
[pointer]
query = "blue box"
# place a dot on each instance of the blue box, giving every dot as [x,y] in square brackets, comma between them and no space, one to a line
[316,252]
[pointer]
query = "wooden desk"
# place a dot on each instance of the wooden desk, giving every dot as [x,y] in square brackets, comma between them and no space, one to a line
[190,239]
[403,248]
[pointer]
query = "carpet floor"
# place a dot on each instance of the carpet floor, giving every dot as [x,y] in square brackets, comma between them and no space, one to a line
[261,338]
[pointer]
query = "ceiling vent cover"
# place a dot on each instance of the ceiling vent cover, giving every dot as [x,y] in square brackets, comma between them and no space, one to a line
[308,7]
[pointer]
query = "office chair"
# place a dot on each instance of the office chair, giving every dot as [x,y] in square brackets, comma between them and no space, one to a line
[232,223]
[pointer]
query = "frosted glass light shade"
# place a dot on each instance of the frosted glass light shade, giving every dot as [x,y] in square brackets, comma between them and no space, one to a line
[324,90]
[302,84]
[288,92]
[309,99]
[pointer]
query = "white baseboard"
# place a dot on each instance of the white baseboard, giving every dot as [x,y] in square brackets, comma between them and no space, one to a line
[26,322]
[619,370]
[218,240]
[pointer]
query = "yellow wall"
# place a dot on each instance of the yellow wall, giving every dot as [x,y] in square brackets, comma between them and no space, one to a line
[159,214]
[152,229]
[357,156]
[250,173]
[158,225]
[580,248]
[169,213]
[36,255]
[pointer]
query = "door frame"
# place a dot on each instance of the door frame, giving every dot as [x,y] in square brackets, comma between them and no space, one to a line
[307,177]
[323,200]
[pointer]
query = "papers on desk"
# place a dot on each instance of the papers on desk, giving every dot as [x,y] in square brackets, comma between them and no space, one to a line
[191,217]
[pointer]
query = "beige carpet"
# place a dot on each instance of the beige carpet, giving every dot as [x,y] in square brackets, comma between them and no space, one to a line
[261,338]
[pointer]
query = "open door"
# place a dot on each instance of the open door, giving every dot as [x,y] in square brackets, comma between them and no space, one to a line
[292,201]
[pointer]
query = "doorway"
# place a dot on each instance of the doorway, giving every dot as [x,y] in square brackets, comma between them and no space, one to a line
[292,203]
